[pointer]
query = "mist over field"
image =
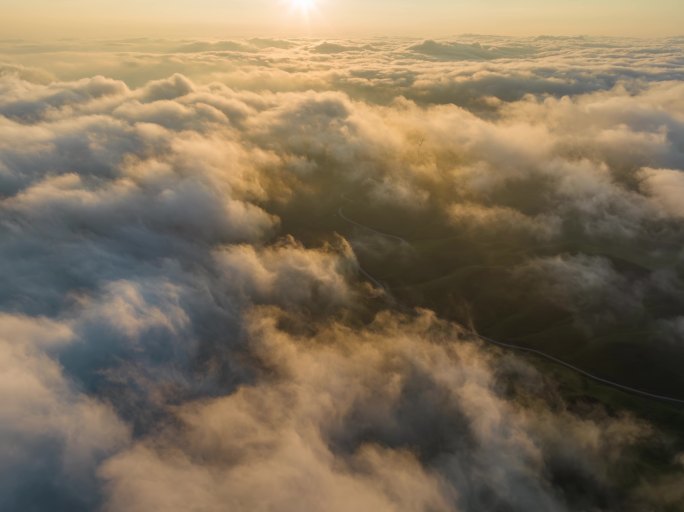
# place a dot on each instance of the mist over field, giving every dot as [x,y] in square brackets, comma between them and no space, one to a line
[248,274]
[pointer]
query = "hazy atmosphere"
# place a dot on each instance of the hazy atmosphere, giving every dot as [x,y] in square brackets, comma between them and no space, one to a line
[342,256]
[326,18]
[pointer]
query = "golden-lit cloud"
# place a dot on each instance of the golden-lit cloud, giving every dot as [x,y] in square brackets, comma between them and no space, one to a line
[187,320]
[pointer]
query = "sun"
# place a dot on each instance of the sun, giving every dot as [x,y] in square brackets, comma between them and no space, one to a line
[303,6]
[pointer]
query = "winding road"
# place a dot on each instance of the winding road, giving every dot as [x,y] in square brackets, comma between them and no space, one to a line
[502,344]
[368,228]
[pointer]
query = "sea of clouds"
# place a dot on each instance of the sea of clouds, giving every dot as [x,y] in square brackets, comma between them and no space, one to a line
[167,344]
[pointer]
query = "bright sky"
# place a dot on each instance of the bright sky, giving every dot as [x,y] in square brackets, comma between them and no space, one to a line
[226,18]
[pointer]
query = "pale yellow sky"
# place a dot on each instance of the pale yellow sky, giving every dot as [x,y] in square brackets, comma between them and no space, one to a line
[221,18]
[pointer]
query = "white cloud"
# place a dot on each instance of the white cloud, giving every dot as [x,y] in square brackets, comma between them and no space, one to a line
[145,233]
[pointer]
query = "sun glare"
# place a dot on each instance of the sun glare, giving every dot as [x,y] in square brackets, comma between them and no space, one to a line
[303,6]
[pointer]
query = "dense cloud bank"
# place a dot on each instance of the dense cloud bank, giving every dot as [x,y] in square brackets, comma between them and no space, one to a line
[185,323]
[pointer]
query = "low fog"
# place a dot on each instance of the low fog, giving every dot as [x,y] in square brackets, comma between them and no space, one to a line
[188,323]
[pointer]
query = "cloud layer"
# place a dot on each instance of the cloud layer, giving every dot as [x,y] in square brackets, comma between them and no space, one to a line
[188,323]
